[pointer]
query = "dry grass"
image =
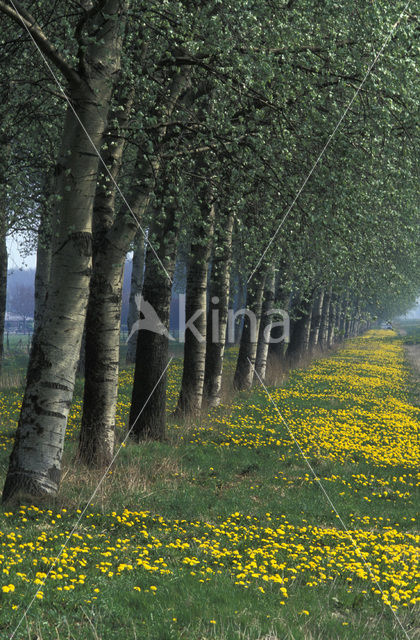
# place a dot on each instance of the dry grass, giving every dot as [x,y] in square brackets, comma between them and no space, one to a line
[134,479]
[11,380]
[278,370]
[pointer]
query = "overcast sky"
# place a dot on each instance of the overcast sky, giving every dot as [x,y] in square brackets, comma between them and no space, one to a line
[16,260]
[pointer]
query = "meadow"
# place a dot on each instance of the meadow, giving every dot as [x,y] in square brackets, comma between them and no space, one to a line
[286,513]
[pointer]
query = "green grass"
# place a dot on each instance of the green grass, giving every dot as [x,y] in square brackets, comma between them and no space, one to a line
[219,492]
[413,337]
[410,330]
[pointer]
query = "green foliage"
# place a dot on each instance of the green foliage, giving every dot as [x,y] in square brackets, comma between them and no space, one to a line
[264,90]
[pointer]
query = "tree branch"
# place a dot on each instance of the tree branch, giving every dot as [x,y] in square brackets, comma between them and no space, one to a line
[28,23]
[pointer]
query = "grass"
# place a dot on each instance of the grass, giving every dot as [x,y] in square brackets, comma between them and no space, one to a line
[15,359]
[410,330]
[222,531]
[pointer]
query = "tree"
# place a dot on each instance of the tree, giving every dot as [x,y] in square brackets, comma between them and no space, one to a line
[53,360]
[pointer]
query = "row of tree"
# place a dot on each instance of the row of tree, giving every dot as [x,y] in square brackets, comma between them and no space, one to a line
[198,132]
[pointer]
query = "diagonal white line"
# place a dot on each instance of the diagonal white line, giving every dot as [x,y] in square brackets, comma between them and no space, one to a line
[89,501]
[321,486]
[59,85]
[327,144]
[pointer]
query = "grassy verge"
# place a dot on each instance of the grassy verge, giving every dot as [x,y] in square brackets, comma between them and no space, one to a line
[222,531]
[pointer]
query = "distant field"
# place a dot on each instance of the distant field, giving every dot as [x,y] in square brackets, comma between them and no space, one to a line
[410,330]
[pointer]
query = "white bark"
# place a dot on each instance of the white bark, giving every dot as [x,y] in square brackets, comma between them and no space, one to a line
[135,289]
[35,462]
[218,308]
[265,328]
[244,373]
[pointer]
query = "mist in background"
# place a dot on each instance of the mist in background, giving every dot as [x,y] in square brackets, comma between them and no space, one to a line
[413,314]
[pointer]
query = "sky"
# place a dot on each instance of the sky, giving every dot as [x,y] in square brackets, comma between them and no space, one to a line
[16,259]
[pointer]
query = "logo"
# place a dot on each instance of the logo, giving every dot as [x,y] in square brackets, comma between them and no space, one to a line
[149,321]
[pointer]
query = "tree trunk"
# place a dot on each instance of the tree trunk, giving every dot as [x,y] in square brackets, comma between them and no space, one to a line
[347,320]
[299,341]
[103,335]
[99,354]
[307,332]
[356,319]
[342,318]
[333,320]
[244,372]
[35,462]
[163,109]
[282,300]
[3,285]
[350,323]
[237,301]
[265,327]
[192,385]
[112,240]
[347,328]
[136,284]
[148,402]
[325,320]
[96,443]
[316,319]
[218,310]
[5,147]
[43,254]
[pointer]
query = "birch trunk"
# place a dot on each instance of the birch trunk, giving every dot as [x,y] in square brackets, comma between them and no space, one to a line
[356,321]
[148,402]
[265,327]
[299,342]
[217,316]
[325,320]
[43,265]
[5,147]
[43,252]
[163,109]
[346,328]
[307,331]
[282,300]
[347,320]
[136,284]
[81,362]
[100,351]
[350,320]
[192,385]
[103,335]
[3,282]
[342,320]
[35,462]
[96,443]
[237,301]
[316,319]
[112,240]
[244,372]
[333,319]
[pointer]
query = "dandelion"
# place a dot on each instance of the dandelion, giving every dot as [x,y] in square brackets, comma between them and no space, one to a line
[8,588]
